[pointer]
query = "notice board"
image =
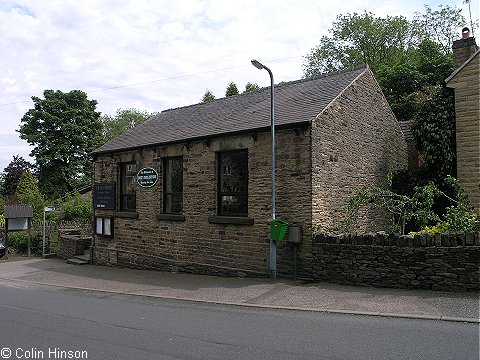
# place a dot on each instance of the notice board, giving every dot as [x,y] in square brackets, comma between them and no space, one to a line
[104,195]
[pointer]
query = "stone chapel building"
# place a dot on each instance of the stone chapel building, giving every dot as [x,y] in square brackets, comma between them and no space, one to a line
[190,189]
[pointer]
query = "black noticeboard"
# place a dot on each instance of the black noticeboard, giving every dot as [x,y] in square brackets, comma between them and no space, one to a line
[104,195]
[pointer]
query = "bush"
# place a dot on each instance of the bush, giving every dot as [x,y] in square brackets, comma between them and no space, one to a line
[77,209]
[18,241]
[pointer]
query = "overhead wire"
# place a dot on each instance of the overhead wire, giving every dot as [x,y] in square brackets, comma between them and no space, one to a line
[163,79]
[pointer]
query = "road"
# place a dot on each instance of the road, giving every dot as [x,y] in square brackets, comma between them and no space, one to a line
[38,322]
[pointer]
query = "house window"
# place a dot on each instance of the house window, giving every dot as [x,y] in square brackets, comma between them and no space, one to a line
[128,171]
[233,183]
[173,185]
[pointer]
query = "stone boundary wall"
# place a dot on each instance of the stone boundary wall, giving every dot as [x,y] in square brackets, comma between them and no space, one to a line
[71,243]
[444,262]
[69,246]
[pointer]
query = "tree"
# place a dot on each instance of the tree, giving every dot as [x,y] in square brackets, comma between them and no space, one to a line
[63,128]
[124,120]
[434,131]
[363,38]
[249,87]
[441,26]
[12,173]
[231,89]
[424,65]
[208,96]
[28,193]
[358,39]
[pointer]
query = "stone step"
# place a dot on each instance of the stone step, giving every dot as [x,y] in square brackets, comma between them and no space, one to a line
[75,261]
[80,259]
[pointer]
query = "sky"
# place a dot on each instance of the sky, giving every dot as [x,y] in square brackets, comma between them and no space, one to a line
[155,55]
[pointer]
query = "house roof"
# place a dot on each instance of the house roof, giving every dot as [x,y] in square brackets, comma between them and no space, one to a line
[460,68]
[295,102]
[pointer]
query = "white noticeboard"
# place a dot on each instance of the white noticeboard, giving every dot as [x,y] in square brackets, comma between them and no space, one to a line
[107,227]
[17,224]
[99,227]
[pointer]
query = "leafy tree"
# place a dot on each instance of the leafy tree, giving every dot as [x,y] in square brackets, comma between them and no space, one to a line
[441,26]
[249,87]
[124,120]
[12,173]
[28,193]
[208,96]
[231,89]
[401,83]
[63,128]
[363,38]
[358,39]
[434,131]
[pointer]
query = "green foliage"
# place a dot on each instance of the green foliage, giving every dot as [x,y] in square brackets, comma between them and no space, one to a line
[124,120]
[419,208]
[12,173]
[402,82]
[231,89]
[459,217]
[208,96]
[18,241]
[440,26]
[434,131]
[249,87]
[397,209]
[77,209]
[405,55]
[358,39]
[63,129]
[2,219]
[28,193]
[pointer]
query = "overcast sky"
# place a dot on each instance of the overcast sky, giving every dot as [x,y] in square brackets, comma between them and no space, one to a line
[153,54]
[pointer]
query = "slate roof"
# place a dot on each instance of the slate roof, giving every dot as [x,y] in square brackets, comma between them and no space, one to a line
[295,102]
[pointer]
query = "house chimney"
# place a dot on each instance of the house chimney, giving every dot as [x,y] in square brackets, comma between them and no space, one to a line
[463,48]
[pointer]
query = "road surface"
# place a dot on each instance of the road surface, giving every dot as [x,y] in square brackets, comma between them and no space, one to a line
[38,322]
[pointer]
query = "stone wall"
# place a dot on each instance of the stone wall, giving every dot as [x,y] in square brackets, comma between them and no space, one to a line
[356,141]
[446,262]
[71,245]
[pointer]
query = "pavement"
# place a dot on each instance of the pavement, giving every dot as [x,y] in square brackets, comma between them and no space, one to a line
[281,294]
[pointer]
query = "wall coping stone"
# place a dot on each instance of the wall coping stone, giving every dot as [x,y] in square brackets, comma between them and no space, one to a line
[414,241]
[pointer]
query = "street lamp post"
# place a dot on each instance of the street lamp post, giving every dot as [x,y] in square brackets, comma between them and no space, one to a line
[273,244]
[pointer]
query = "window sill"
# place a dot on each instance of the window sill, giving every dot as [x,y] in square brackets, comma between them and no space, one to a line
[126,214]
[236,220]
[171,217]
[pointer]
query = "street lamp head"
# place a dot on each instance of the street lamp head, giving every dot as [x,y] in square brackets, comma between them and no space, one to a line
[257,64]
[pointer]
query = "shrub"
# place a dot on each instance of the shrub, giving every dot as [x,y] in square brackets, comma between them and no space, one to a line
[18,241]
[77,209]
